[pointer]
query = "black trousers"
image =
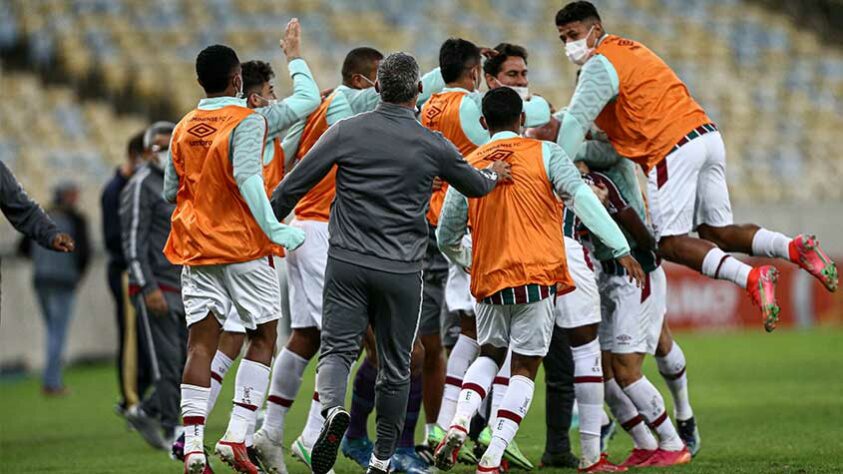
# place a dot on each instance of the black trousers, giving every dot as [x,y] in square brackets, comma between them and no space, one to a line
[559,379]
[131,391]
[355,297]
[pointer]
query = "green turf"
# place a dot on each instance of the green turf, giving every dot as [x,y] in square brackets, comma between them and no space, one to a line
[764,403]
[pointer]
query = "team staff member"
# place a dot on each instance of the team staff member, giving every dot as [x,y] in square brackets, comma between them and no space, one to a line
[517,259]
[225,243]
[385,166]
[650,117]
[154,289]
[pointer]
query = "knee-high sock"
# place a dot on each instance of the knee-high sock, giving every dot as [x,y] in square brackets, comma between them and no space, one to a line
[413,408]
[286,381]
[627,415]
[513,409]
[672,368]
[219,367]
[499,386]
[462,355]
[588,386]
[650,404]
[315,420]
[722,266]
[249,391]
[362,400]
[768,243]
[475,386]
[194,405]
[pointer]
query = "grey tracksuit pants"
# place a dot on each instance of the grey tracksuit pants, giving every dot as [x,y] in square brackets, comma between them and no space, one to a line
[166,338]
[355,297]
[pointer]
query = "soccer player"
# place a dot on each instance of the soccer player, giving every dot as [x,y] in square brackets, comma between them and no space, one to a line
[306,265]
[650,117]
[385,164]
[222,233]
[517,260]
[155,289]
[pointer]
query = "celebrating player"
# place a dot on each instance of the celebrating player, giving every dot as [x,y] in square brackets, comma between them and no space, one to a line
[517,260]
[651,118]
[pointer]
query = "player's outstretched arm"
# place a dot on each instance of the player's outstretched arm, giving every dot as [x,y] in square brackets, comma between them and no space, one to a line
[25,214]
[597,85]
[452,226]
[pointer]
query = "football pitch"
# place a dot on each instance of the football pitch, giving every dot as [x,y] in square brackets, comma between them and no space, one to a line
[764,403]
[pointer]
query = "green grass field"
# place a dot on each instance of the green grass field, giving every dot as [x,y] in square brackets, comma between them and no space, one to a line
[764,403]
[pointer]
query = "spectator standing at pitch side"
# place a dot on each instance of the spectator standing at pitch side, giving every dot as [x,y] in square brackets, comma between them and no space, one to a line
[155,289]
[386,162]
[56,276]
[132,371]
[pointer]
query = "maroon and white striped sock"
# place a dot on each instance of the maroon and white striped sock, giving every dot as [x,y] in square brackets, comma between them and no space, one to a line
[286,381]
[627,415]
[462,355]
[499,387]
[249,391]
[588,389]
[194,404]
[475,387]
[219,367]
[650,405]
[513,409]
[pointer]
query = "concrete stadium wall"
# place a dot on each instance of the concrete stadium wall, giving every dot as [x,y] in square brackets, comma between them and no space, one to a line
[93,334]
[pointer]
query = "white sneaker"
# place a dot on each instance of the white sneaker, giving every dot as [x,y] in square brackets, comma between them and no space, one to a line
[301,451]
[270,453]
[195,463]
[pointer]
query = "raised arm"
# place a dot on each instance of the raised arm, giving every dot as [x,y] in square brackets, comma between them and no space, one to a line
[597,85]
[312,168]
[23,213]
[452,226]
[247,157]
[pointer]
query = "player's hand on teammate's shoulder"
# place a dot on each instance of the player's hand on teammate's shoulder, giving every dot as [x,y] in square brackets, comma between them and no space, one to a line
[437,183]
[291,42]
[503,170]
[633,269]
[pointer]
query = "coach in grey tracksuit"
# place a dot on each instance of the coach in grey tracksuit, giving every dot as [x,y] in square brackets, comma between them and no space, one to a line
[386,162]
[155,288]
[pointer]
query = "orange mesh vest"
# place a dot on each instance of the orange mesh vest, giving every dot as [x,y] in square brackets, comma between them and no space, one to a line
[273,173]
[516,230]
[212,224]
[653,109]
[316,204]
[442,113]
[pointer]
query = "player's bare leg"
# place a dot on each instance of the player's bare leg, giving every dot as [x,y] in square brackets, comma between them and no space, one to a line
[195,390]
[710,260]
[671,363]
[250,388]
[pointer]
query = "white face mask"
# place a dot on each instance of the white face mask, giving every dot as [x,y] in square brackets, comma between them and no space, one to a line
[578,51]
[523,91]
[159,159]
[269,102]
[367,80]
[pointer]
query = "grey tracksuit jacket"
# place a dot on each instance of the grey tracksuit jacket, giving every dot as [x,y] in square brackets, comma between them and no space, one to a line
[23,213]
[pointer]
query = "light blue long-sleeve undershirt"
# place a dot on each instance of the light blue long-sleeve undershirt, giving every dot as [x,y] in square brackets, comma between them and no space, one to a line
[566,180]
[598,84]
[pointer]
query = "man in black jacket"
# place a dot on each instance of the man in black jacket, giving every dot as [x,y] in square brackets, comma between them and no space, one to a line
[132,359]
[386,162]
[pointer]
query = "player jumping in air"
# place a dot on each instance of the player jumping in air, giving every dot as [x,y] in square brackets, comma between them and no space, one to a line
[650,117]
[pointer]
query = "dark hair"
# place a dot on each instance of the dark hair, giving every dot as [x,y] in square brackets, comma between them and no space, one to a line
[455,56]
[502,107]
[493,65]
[214,66]
[576,11]
[255,75]
[359,61]
[398,77]
[135,145]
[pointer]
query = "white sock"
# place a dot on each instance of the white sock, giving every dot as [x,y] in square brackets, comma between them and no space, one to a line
[249,391]
[428,428]
[286,380]
[478,379]
[219,367]
[767,243]
[672,369]
[588,388]
[722,266]
[627,415]
[513,409]
[650,405]
[499,386]
[315,420]
[462,355]
[194,404]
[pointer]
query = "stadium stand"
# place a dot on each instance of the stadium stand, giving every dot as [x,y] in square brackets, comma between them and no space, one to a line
[774,88]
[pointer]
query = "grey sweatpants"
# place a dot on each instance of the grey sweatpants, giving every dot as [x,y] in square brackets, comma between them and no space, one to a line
[166,338]
[353,298]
